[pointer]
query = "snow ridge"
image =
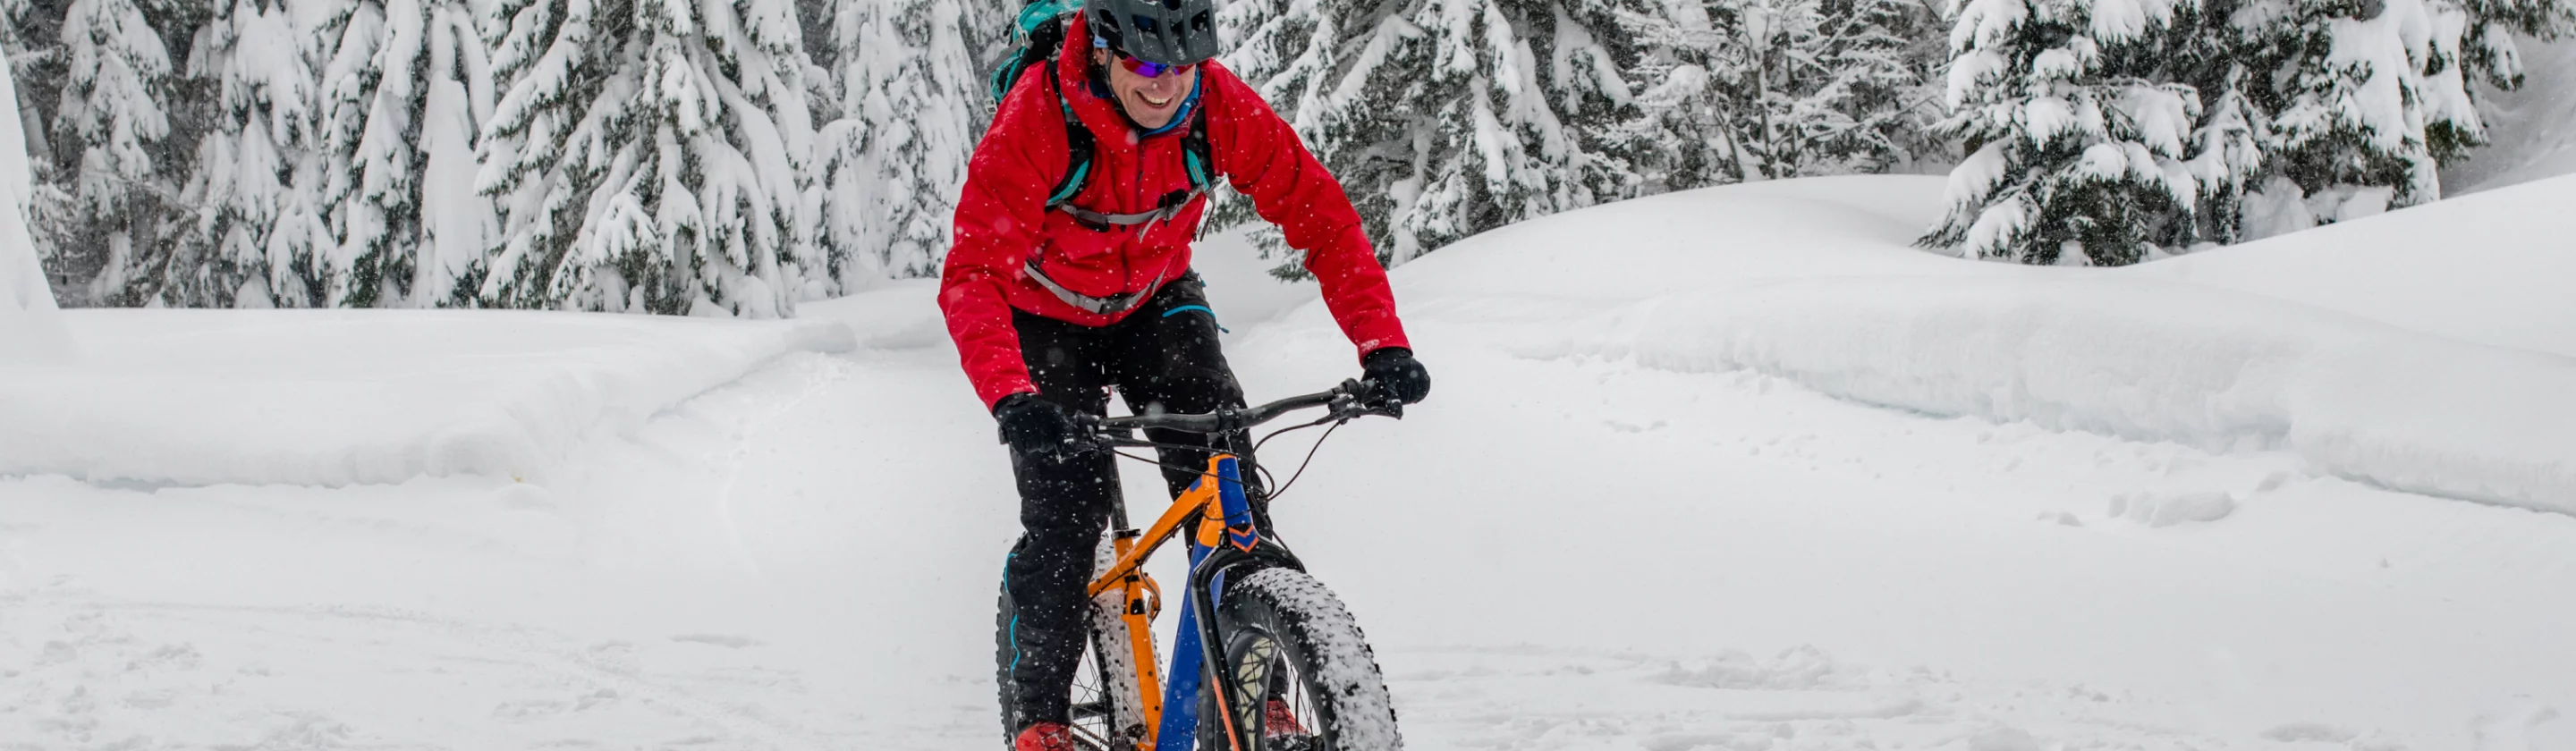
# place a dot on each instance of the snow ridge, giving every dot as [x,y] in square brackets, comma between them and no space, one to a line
[334,398]
[2148,360]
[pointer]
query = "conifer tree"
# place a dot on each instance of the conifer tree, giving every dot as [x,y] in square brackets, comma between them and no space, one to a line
[2359,92]
[912,107]
[108,125]
[649,156]
[407,89]
[2348,122]
[257,237]
[1444,118]
[31,35]
[1697,127]
[2078,156]
[2486,49]
[1789,88]
[2201,48]
[2359,100]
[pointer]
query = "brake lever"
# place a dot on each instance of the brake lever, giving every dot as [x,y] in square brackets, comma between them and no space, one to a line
[1098,436]
[1355,402]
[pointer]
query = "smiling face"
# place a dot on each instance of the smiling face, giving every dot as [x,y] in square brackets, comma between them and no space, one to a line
[1151,102]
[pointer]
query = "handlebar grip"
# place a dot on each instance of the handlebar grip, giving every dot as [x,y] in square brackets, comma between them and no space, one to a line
[1350,399]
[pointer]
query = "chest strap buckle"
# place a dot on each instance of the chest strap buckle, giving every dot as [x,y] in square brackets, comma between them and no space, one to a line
[1111,305]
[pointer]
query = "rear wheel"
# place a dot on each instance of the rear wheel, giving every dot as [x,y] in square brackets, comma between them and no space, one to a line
[1309,680]
[1107,714]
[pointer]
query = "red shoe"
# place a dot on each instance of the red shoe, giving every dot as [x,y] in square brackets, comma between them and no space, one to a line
[1277,721]
[1044,736]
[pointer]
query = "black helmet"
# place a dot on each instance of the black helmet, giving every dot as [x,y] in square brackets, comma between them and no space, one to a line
[1171,32]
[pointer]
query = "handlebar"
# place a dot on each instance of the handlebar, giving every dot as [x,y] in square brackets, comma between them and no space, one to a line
[1346,401]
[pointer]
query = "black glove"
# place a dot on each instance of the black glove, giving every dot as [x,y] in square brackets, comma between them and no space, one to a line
[1395,377]
[1037,426]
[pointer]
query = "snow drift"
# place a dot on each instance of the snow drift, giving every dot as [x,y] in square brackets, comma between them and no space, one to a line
[2235,349]
[2150,361]
[192,397]
[2492,268]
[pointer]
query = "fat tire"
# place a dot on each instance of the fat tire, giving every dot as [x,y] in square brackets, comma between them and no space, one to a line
[1320,641]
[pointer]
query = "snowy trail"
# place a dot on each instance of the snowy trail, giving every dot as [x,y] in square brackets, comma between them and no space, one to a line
[1564,548]
[1639,560]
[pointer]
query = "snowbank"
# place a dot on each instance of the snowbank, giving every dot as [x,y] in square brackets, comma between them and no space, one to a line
[199,397]
[2426,350]
[2492,268]
[2152,361]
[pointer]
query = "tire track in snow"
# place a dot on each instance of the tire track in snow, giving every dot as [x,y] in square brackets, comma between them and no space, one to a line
[664,495]
[752,411]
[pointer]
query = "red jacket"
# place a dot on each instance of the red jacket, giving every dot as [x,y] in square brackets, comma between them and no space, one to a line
[1002,219]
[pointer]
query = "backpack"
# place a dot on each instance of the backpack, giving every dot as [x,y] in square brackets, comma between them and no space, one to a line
[1041,28]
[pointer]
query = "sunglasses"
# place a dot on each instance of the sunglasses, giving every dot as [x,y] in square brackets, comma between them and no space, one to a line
[1151,69]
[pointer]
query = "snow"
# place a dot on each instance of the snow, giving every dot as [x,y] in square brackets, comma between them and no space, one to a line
[31,329]
[2147,361]
[1641,510]
[2489,268]
[2131,354]
[165,397]
[2377,103]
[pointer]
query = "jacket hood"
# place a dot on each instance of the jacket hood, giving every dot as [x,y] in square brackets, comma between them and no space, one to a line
[1110,127]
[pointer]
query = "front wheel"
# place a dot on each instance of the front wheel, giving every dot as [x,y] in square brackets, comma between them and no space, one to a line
[1309,680]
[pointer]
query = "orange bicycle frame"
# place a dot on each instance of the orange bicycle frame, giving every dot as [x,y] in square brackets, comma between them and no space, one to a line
[1142,598]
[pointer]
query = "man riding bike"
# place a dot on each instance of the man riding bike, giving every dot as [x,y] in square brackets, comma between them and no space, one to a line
[1054,298]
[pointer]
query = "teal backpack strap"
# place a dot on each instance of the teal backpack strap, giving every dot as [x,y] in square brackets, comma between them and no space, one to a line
[1077,149]
[1196,153]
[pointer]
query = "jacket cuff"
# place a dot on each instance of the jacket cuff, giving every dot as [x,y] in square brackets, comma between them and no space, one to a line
[994,393]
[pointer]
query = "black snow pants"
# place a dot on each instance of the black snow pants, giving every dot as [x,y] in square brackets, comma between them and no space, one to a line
[1163,357]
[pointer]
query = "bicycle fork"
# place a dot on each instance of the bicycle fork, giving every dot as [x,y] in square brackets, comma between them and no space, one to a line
[1139,617]
[1171,708]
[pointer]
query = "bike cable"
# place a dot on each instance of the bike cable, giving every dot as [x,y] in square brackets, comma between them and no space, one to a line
[1266,476]
[1310,455]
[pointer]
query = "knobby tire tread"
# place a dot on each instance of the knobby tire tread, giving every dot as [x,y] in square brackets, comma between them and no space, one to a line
[1326,649]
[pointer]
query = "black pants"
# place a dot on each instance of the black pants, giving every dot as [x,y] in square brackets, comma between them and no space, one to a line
[1163,357]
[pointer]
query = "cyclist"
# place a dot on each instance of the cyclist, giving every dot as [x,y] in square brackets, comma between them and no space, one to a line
[1052,302]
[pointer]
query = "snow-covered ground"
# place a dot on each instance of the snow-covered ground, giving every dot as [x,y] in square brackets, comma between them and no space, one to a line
[200,397]
[1730,469]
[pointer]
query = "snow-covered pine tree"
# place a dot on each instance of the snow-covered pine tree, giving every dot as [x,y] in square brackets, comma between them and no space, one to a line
[257,236]
[108,124]
[2200,48]
[913,105]
[1444,118]
[1694,124]
[31,36]
[1792,87]
[648,156]
[2077,156]
[1293,52]
[407,91]
[2356,84]
[2228,153]
[2486,47]
[30,331]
